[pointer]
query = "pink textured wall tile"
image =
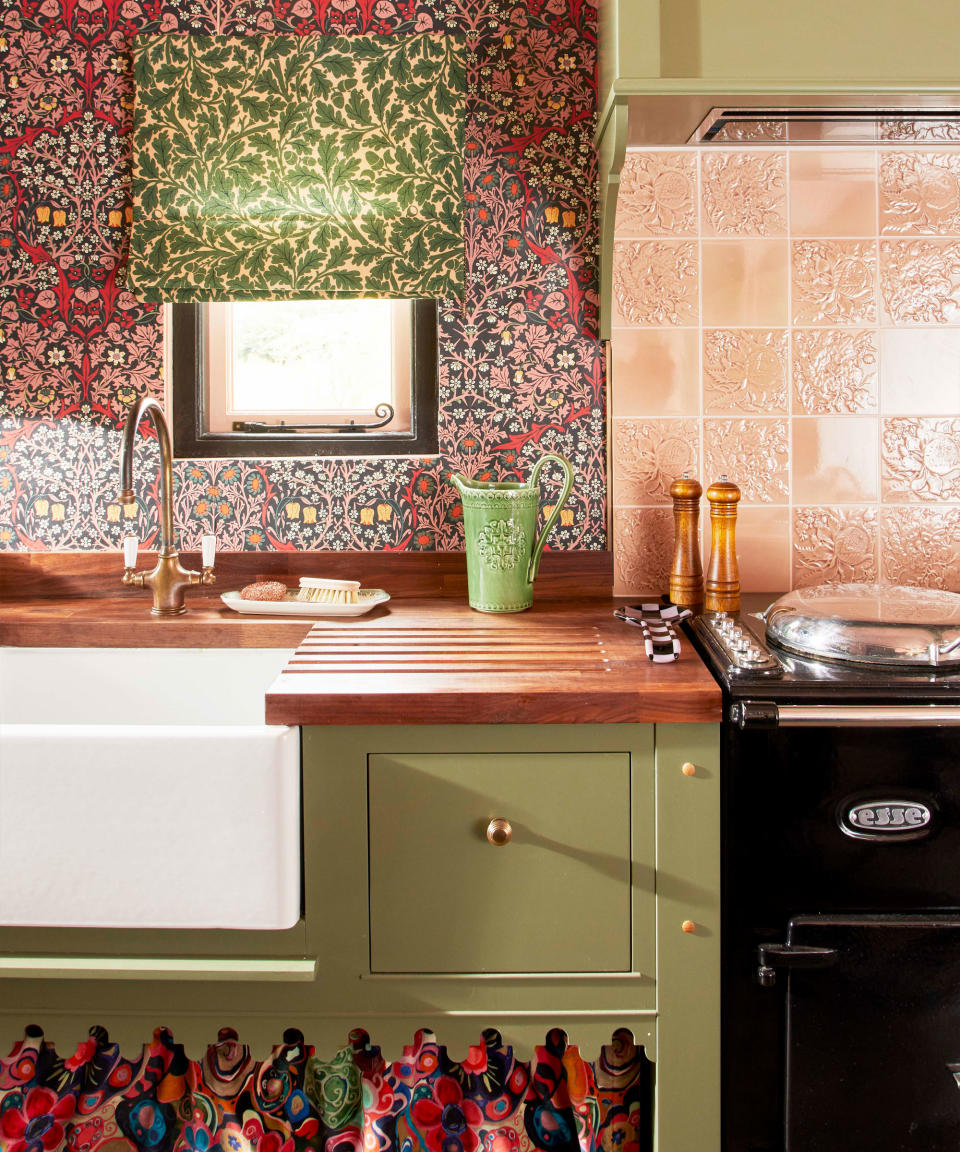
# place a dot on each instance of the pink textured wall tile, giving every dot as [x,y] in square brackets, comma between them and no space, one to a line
[920,192]
[648,455]
[746,131]
[834,370]
[658,194]
[744,283]
[655,372]
[642,550]
[834,282]
[763,548]
[921,546]
[744,370]
[834,545]
[744,193]
[655,282]
[936,131]
[754,454]
[920,459]
[833,193]
[835,459]
[832,133]
[920,281]
[920,371]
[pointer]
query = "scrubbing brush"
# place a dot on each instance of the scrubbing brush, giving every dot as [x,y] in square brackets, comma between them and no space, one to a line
[317,591]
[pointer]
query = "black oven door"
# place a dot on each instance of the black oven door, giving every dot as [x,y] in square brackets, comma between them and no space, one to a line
[873,1034]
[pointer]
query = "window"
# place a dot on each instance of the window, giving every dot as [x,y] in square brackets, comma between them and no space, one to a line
[304,378]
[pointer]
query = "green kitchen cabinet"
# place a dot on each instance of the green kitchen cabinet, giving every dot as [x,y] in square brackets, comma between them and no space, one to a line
[600,911]
[756,42]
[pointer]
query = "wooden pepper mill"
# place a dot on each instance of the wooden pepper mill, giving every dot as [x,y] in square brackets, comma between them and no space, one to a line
[686,572]
[723,577]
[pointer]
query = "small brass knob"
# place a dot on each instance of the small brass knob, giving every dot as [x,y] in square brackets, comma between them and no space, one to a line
[499,831]
[688,769]
[688,926]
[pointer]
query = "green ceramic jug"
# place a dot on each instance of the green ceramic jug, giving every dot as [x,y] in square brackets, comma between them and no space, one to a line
[503,550]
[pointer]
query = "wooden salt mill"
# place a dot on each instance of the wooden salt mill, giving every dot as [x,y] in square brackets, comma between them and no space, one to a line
[686,572]
[723,577]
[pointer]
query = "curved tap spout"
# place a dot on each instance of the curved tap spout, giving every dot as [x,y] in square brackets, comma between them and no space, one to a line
[168,580]
[147,405]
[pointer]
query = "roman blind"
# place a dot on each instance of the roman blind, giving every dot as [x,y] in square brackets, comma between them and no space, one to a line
[293,167]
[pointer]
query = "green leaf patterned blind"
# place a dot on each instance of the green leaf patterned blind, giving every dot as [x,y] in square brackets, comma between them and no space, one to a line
[293,167]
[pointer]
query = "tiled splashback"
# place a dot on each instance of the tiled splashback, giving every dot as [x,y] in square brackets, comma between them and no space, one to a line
[790,318]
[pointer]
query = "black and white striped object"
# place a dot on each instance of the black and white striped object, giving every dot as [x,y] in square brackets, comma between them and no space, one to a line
[660,641]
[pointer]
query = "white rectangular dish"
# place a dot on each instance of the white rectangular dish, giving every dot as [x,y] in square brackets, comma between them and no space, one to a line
[291,606]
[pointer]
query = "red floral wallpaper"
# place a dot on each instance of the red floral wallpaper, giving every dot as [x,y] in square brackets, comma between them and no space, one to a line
[521,369]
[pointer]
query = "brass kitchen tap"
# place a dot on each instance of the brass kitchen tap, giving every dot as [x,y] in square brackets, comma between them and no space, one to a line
[168,580]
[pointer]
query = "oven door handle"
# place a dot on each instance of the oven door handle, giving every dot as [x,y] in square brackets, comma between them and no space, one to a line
[759,714]
[770,957]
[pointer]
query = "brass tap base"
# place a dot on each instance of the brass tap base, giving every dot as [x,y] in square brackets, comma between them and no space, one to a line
[169,581]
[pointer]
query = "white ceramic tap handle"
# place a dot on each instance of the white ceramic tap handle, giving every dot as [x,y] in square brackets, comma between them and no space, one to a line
[130,546]
[208,549]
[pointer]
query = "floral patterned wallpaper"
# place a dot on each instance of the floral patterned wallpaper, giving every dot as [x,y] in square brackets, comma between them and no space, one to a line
[521,368]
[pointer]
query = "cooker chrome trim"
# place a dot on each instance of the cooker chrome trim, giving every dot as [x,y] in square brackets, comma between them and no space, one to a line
[767,714]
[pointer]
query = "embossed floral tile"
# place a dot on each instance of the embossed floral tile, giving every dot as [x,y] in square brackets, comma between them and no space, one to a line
[833,545]
[835,370]
[658,194]
[642,550]
[648,455]
[744,193]
[655,282]
[753,453]
[921,546]
[834,282]
[920,192]
[744,370]
[920,281]
[920,459]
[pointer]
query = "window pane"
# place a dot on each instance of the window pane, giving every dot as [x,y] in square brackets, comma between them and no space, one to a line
[312,355]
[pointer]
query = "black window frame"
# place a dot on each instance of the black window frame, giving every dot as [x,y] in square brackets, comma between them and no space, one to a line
[191,439]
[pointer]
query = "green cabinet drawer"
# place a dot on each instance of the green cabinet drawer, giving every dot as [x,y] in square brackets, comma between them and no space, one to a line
[556,898]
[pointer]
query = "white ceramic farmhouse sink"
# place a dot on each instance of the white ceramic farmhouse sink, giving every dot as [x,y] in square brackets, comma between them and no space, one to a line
[141,788]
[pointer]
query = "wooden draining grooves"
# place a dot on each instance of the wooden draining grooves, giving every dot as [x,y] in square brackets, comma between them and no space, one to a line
[438,662]
[451,649]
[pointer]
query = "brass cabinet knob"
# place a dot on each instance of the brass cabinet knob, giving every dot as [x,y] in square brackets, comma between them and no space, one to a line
[499,831]
[688,769]
[688,926]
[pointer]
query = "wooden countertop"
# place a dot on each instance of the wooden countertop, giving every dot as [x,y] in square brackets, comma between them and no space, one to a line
[425,658]
[439,662]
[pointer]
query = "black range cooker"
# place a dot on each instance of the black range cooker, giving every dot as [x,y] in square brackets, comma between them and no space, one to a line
[841,884]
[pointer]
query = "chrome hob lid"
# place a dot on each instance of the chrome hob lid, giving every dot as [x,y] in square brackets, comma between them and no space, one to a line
[877,624]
